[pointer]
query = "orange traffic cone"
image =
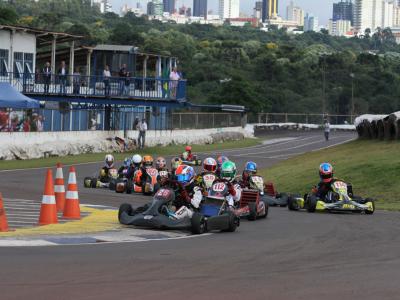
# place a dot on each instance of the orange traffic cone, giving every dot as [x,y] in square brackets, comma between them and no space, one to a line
[59,188]
[48,209]
[71,209]
[3,217]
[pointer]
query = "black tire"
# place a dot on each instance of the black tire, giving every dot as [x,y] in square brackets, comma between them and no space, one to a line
[156,188]
[129,187]
[112,184]
[234,221]
[368,212]
[252,211]
[94,183]
[125,207]
[87,182]
[292,204]
[199,224]
[311,203]
[283,197]
[266,210]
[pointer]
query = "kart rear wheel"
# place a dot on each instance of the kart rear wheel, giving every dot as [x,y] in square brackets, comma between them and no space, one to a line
[311,203]
[370,212]
[112,184]
[252,211]
[87,182]
[199,225]
[126,207]
[234,222]
[94,183]
[129,187]
[266,210]
[292,203]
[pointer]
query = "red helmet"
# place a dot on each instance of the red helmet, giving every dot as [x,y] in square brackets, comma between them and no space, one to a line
[188,148]
[326,172]
[210,164]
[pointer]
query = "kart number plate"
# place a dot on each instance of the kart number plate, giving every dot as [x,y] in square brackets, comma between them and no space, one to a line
[209,179]
[257,179]
[163,193]
[113,173]
[152,172]
[163,173]
[340,187]
[148,217]
[219,187]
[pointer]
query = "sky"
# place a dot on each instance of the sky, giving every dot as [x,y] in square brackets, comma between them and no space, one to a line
[320,8]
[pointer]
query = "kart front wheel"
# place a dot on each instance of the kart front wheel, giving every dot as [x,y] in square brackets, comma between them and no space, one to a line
[252,212]
[311,203]
[129,187]
[199,225]
[292,203]
[126,207]
[266,210]
[370,212]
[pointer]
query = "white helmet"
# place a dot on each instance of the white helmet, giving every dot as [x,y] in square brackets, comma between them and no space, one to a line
[136,159]
[109,161]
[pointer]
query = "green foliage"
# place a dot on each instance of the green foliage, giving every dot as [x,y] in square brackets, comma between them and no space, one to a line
[267,71]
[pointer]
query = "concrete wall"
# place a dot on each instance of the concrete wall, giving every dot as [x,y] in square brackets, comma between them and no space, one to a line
[21,145]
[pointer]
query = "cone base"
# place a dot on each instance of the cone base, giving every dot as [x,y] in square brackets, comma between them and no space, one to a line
[72,209]
[48,214]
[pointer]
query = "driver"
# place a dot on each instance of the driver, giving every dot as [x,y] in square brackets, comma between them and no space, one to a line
[136,162]
[161,166]
[123,170]
[187,155]
[105,171]
[140,176]
[324,186]
[220,160]
[228,175]
[209,167]
[249,169]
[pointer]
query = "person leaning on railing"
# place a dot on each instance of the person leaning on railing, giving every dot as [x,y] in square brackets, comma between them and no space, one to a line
[47,77]
[76,81]
[106,80]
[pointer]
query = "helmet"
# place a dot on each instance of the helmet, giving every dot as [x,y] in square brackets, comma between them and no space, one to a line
[137,159]
[210,164]
[188,148]
[185,155]
[127,162]
[175,163]
[161,163]
[220,160]
[109,161]
[147,161]
[228,170]
[185,174]
[326,172]
[251,167]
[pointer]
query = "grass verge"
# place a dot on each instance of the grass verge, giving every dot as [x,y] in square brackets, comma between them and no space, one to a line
[373,167]
[94,157]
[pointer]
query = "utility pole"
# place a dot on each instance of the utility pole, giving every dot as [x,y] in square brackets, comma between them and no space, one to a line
[352,97]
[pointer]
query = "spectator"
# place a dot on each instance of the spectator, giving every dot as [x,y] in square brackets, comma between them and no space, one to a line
[142,127]
[123,74]
[33,123]
[327,130]
[39,123]
[47,77]
[127,84]
[27,124]
[106,80]
[62,77]
[174,79]
[76,81]
[3,119]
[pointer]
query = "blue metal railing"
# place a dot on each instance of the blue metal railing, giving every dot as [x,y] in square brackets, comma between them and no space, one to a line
[97,86]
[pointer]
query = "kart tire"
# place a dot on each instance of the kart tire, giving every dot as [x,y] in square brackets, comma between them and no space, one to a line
[284,198]
[87,182]
[125,207]
[252,211]
[199,224]
[292,204]
[368,212]
[156,188]
[311,203]
[112,184]
[266,210]
[129,187]
[94,183]
[234,222]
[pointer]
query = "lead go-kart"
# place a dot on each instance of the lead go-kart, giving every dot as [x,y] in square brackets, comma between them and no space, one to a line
[339,199]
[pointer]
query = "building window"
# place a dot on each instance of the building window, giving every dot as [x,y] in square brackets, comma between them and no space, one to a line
[28,64]
[18,64]
[4,62]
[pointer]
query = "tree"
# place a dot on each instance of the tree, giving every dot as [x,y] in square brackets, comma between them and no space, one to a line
[8,16]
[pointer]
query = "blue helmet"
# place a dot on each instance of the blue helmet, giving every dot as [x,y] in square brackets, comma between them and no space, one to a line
[185,174]
[251,167]
[127,162]
[326,172]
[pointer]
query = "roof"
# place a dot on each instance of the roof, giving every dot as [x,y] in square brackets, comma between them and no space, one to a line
[120,48]
[11,98]
[43,36]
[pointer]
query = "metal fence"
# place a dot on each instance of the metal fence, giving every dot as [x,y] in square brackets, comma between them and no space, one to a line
[98,86]
[123,118]
[302,118]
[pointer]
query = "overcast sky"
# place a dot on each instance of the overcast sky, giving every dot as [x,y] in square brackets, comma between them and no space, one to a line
[320,8]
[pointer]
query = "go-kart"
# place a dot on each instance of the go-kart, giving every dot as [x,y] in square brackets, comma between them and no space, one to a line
[102,181]
[148,186]
[274,198]
[339,199]
[157,214]
[214,212]
[251,205]
[193,161]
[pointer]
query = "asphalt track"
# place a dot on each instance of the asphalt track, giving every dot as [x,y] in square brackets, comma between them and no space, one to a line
[291,255]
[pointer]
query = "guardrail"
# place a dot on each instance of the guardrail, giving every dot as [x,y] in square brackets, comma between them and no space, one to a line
[334,119]
[98,86]
[379,126]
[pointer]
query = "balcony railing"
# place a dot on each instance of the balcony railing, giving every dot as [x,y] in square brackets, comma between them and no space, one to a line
[97,86]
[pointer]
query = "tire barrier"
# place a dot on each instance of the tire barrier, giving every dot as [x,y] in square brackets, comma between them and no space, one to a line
[382,127]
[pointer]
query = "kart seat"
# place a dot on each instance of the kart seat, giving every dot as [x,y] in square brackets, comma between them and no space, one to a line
[270,189]
[248,196]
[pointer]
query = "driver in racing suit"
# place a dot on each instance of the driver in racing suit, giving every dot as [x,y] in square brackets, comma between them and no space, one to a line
[140,175]
[136,162]
[228,175]
[163,173]
[108,165]
[249,169]
[220,160]
[124,169]
[187,155]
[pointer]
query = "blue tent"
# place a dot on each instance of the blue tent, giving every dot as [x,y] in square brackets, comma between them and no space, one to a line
[11,98]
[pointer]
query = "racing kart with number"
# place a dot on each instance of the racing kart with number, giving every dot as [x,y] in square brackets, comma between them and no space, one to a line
[103,180]
[339,199]
[193,161]
[215,213]
[251,205]
[148,186]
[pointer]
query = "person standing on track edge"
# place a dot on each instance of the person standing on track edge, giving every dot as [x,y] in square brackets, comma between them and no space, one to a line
[142,133]
[327,129]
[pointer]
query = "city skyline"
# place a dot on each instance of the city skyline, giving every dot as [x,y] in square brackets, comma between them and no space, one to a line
[321,9]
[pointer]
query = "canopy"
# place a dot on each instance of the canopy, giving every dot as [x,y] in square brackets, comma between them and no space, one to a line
[11,98]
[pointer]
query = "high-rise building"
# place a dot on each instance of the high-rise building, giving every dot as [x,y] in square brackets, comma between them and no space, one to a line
[339,27]
[373,14]
[169,6]
[269,9]
[200,8]
[257,11]
[155,8]
[343,10]
[310,23]
[229,9]
[104,5]
[295,13]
